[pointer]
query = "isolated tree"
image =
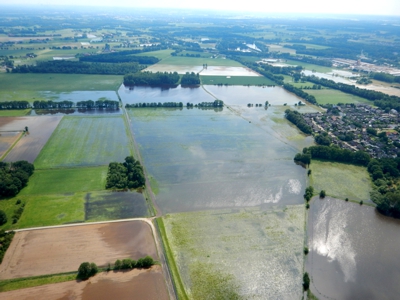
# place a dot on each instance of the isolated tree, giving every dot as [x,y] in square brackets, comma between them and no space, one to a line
[87,270]
[306,281]
[322,194]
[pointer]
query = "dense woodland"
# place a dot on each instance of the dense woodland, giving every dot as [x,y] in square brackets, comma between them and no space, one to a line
[77,67]
[14,176]
[297,119]
[152,79]
[190,79]
[126,175]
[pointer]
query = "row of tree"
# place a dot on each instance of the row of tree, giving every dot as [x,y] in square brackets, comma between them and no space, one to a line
[334,153]
[14,105]
[152,79]
[300,93]
[126,175]
[78,67]
[6,239]
[14,176]
[297,119]
[109,104]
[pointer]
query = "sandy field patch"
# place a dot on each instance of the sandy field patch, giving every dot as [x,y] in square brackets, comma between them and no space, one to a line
[29,146]
[135,284]
[58,250]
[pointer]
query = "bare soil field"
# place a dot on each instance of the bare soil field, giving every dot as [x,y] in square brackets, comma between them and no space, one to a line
[59,250]
[135,284]
[29,146]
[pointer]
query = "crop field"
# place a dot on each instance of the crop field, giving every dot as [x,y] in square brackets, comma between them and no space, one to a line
[161,54]
[59,250]
[249,253]
[137,284]
[202,159]
[236,80]
[61,181]
[340,180]
[85,141]
[329,96]
[26,83]
[31,143]
[198,61]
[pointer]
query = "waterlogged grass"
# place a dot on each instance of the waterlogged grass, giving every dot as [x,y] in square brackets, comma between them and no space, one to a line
[340,180]
[243,253]
[85,141]
[22,283]
[161,54]
[26,83]
[59,181]
[236,80]
[328,96]
[14,113]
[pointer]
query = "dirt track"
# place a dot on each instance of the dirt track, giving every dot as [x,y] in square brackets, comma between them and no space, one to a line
[57,250]
[135,284]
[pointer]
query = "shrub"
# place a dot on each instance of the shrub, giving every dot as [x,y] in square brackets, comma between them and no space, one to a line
[306,281]
[3,217]
[322,194]
[306,250]
[117,265]
[87,270]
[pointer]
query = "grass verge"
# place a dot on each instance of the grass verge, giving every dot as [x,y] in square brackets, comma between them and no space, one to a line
[14,112]
[21,283]
[176,278]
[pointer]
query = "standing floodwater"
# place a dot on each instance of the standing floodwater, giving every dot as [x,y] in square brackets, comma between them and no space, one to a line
[354,251]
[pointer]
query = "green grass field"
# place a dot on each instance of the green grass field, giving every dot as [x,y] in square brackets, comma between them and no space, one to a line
[20,83]
[161,54]
[60,181]
[85,141]
[289,79]
[198,61]
[330,96]
[14,113]
[340,180]
[236,80]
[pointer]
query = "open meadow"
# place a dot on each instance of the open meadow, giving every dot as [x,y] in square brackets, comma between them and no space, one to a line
[80,141]
[340,180]
[60,250]
[239,253]
[330,96]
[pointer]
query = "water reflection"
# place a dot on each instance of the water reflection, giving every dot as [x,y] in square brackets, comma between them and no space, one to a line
[74,111]
[353,251]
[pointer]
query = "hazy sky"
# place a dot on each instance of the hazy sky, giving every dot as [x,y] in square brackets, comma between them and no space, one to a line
[382,7]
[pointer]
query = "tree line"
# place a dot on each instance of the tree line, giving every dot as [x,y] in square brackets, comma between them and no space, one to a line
[14,105]
[80,104]
[78,67]
[6,239]
[151,79]
[14,176]
[126,175]
[297,119]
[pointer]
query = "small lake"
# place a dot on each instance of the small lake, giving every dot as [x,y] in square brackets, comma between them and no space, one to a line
[354,251]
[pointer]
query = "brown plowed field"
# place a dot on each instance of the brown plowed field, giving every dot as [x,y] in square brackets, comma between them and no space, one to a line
[29,146]
[135,284]
[58,250]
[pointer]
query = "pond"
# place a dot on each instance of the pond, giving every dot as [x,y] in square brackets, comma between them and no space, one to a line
[353,251]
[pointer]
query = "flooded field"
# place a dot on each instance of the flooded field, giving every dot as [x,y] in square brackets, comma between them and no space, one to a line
[79,141]
[30,145]
[353,251]
[6,140]
[144,284]
[57,250]
[205,159]
[76,96]
[240,253]
[114,205]
[140,94]
[210,71]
